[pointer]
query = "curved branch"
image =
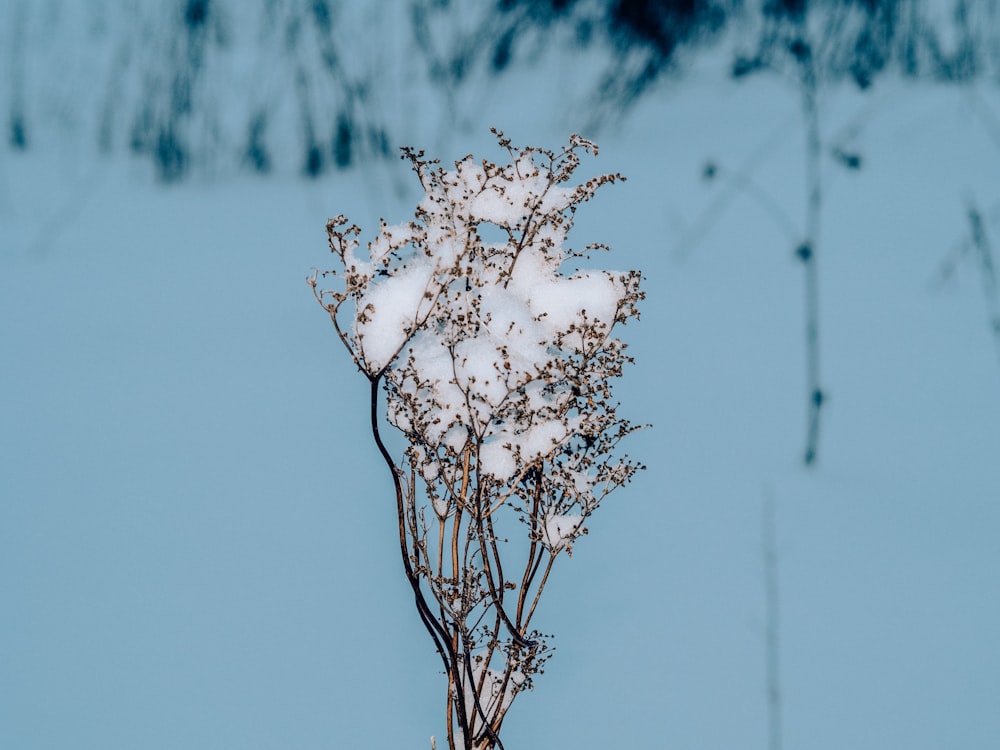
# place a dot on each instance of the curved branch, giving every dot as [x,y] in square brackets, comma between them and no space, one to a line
[437,632]
[494,595]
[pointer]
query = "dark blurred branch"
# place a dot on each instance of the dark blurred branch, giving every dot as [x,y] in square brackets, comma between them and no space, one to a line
[807,250]
[976,241]
[772,634]
[982,112]
[17,133]
[737,182]
[987,270]
[169,78]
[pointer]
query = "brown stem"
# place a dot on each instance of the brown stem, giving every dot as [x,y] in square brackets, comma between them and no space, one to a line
[487,725]
[541,585]
[437,632]
[532,565]
[496,597]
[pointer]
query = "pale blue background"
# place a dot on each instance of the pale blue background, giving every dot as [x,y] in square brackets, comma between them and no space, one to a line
[197,536]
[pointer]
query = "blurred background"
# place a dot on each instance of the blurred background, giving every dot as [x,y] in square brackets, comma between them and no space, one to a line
[196,534]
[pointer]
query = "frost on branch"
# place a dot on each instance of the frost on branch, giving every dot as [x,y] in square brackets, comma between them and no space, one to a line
[497,360]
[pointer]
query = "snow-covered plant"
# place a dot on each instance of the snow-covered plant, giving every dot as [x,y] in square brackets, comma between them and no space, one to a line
[497,362]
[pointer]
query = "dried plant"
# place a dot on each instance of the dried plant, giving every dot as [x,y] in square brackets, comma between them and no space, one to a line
[497,363]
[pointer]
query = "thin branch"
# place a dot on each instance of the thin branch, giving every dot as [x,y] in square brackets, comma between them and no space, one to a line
[531,566]
[987,270]
[541,586]
[435,629]
[707,219]
[773,623]
[497,597]
[807,253]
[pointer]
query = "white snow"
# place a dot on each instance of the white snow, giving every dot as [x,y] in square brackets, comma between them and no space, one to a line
[561,530]
[391,309]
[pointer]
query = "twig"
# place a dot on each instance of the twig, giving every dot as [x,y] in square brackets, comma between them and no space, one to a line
[738,179]
[987,270]
[772,627]
[807,254]
[982,112]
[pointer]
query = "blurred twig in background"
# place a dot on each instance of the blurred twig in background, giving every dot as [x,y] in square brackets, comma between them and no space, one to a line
[987,269]
[772,632]
[976,241]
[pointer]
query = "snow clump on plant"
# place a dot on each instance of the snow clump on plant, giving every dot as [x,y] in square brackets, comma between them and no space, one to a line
[497,359]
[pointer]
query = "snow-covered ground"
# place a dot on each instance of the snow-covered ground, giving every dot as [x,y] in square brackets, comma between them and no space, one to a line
[197,537]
